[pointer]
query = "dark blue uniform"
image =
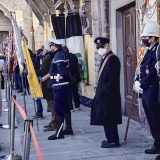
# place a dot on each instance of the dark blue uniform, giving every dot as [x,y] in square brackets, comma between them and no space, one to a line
[149,83]
[59,80]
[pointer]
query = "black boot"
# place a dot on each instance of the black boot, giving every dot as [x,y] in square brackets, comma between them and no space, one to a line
[158,157]
[68,129]
[153,150]
[59,132]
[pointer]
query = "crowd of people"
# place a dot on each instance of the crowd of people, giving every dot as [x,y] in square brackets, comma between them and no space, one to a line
[58,71]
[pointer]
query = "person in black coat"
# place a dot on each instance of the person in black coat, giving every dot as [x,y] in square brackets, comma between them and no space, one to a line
[47,92]
[75,79]
[106,109]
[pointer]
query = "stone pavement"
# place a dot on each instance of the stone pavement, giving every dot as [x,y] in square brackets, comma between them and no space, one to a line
[5,134]
[84,144]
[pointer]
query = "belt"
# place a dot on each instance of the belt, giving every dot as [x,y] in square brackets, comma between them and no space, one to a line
[60,84]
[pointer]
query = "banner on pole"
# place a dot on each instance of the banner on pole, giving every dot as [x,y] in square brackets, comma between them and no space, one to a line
[73,36]
[34,85]
[18,45]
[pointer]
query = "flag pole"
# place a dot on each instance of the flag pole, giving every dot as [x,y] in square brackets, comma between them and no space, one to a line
[65,13]
[19,53]
[139,60]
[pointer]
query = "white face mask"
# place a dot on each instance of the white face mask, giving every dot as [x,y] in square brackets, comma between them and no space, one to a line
[102,51]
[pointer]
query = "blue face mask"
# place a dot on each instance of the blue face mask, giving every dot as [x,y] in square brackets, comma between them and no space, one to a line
[146,42]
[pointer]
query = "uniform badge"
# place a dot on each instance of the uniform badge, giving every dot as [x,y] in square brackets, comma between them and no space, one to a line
[58,77]
[147,70]
[98,41]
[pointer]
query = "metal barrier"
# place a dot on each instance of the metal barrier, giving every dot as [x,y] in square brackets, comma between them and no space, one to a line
[12,127]
[8,95]
[29,132]
[27,139]
[12,104]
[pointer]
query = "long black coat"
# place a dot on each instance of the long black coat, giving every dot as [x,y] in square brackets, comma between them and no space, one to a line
[106,109]
[74,68]
[47,92]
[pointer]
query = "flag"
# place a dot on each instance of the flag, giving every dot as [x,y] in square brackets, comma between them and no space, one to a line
[85,74]
[35,88]
[9,55]
[71,33]
[18,44]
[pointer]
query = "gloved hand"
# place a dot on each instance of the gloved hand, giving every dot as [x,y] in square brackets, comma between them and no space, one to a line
[137,87]
[157,66]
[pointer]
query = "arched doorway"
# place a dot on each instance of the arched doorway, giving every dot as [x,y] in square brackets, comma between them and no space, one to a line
[5,30]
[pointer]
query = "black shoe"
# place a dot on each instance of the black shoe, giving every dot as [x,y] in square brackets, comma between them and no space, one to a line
[158,157]
[104,142]
[153,150]
[59,132]
[55,137]
[38,117]
[110,145]
[77,108]
[47,126]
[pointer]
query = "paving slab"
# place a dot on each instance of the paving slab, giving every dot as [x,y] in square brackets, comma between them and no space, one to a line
[84,144]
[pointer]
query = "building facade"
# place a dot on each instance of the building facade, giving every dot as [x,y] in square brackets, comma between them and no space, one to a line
[127,19]
[121,21]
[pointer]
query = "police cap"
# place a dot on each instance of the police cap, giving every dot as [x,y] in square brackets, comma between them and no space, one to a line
[100,41]
[56,42]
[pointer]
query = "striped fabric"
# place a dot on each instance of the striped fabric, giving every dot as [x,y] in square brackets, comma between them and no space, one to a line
[18,44]
[72,36]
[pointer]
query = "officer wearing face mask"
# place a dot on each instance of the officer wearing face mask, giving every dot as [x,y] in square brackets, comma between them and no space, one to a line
[146,83]
[106,109]
[59,81]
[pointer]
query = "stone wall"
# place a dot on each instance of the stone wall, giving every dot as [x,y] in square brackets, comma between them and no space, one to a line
[25,19]
[100,17]
[5,23]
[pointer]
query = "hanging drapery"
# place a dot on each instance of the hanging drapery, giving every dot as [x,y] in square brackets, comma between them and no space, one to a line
[73,36]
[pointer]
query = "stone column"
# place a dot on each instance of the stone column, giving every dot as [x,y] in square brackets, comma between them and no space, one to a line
[100,16]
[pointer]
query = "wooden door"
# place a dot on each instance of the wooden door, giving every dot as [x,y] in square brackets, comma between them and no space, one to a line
[129,41]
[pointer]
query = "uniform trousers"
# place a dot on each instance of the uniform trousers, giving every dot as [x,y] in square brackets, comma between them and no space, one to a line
[111,132]
[61,100]
[152,111]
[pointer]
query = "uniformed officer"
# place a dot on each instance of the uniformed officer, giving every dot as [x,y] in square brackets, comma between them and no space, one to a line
[158,72]
[106,109]
[59,80]
[146,83]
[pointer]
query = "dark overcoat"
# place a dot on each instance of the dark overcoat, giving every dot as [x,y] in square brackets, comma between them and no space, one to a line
[47,92]
[106,109]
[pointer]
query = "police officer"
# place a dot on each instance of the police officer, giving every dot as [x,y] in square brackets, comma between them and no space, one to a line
[106,109]
[59,80]
[146,83]
[158,72]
